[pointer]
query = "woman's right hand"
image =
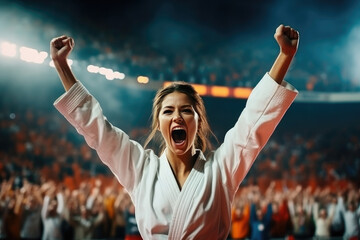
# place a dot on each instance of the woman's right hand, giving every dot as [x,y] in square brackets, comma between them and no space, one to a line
[61,47]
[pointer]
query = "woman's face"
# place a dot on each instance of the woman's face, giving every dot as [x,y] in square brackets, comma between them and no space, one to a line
[178,123]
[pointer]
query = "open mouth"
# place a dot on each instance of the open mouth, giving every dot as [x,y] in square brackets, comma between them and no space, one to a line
[178,135]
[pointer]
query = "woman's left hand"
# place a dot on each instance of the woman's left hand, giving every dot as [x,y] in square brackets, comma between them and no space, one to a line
[288,39]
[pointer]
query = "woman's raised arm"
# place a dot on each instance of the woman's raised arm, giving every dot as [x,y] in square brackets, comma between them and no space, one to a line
[288,40]
[60,48]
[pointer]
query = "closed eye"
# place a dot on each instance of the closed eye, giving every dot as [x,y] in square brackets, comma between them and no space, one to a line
[188,110]
[167,111]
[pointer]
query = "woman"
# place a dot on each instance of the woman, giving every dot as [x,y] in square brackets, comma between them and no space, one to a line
[181,194]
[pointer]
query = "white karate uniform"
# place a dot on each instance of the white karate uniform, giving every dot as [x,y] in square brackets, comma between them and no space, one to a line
[201,209]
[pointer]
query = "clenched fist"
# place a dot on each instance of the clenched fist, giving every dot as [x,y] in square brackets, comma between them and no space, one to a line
[61,47]
[288,39]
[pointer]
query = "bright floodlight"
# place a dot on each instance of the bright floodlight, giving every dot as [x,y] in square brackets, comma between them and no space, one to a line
[119,75]
[41,57]
[142,79]
[110,76]
[93,69]
[28,54]
[8,49]
[32,55]
[105,71]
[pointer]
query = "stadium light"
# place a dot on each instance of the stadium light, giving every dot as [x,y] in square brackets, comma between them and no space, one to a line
[241,92]
[201,89]
[109,76]
[8,49]
[107,72]
[219,91]
[93,69]
[142,79]
[32,55]
[119,75]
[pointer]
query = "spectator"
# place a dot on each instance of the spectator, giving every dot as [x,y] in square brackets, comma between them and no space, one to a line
[300,215]
[260,222]
[31,227]
[351,215]
[240,226]
[52,213]
[322,219]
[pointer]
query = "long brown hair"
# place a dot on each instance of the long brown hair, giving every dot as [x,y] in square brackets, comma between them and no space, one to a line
[201,142]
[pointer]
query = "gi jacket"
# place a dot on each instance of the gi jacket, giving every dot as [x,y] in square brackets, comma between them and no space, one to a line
[202,208]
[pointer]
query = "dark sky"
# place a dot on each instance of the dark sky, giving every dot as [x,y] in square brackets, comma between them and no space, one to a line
[221,17]
[172,25]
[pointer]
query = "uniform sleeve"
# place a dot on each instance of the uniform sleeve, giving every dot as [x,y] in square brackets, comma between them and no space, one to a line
[124,157]
[264,109]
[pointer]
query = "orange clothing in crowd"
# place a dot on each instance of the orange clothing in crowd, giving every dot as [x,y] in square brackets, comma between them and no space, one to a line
[240,224]
[109,206]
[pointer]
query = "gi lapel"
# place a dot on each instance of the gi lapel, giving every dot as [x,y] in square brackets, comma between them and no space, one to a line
[183,205]
[168,182]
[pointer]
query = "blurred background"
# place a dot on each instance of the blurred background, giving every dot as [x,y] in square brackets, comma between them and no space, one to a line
[126,50]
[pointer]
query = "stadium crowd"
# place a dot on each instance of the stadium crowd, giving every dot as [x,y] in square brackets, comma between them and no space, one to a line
[54,186]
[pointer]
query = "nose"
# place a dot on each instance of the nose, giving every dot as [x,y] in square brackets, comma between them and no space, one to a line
[178,118]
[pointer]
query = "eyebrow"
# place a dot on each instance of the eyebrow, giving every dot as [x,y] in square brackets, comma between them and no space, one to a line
[183,106]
